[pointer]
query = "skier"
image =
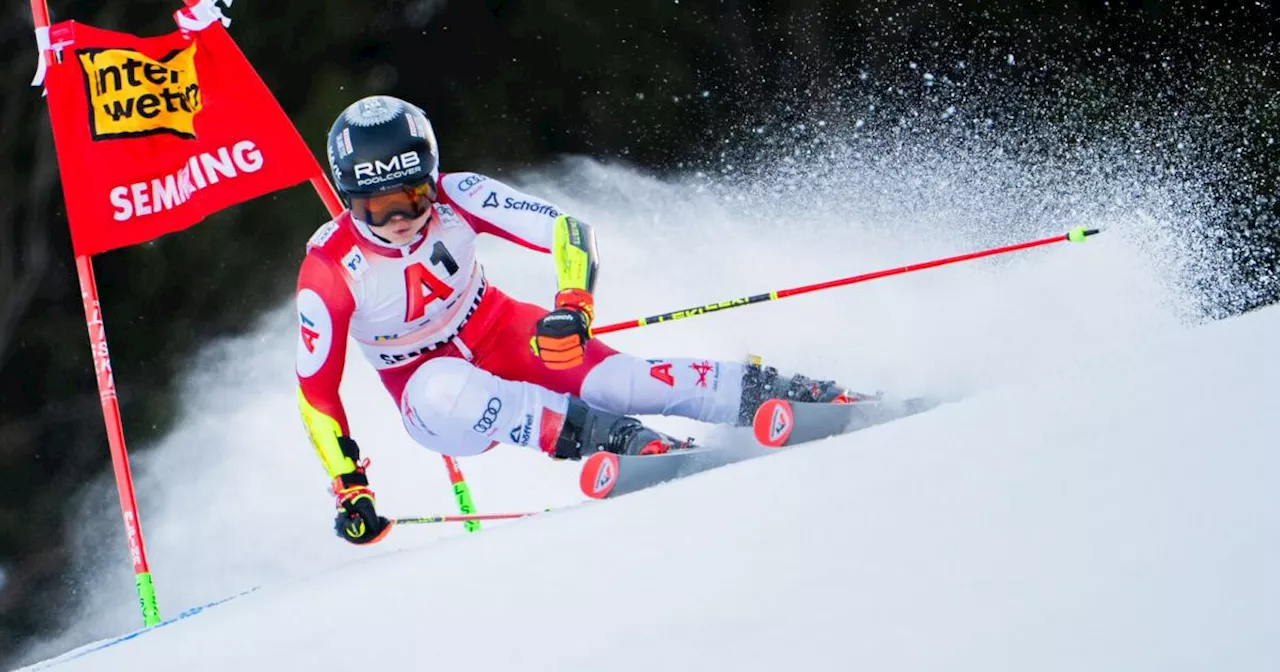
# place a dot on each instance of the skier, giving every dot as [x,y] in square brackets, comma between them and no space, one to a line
[469,366]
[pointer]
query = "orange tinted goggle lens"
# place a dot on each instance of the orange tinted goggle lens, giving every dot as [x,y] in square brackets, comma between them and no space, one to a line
[410,202]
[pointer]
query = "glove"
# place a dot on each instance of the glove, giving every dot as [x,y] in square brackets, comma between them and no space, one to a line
[357,521]
[562,334]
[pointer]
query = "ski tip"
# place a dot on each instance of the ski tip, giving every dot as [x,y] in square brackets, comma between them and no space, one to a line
[599,475]
[773,423]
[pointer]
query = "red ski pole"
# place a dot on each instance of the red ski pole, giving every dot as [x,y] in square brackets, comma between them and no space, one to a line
[1075,235]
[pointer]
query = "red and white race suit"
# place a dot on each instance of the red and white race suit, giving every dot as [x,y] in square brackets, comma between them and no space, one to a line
[452,349]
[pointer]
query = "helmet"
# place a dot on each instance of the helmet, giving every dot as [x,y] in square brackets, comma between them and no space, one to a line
[383,156]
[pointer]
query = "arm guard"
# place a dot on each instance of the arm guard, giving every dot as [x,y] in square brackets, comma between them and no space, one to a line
[336,452]
[573,248]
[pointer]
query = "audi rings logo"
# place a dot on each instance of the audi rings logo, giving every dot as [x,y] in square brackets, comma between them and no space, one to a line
[485,423]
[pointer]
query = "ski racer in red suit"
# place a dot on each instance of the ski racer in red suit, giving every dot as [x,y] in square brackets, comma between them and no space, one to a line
[469,366]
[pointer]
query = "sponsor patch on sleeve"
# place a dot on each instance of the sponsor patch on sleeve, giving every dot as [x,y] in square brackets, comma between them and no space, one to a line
[315,333]
[355,262]
[471,183]
[323,234]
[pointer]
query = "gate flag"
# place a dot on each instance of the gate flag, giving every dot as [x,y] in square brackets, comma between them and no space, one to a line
[154,134]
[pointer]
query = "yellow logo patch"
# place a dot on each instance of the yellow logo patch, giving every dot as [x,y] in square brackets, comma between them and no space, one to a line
[132,95]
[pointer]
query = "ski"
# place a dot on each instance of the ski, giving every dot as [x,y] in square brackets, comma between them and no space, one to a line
[779,422]
[606,474]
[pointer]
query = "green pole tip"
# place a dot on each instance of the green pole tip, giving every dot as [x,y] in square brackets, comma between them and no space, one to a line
[1077,234]
[147,600]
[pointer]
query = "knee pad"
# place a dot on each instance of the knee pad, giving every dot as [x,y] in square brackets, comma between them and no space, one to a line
[437,385]
[429,407]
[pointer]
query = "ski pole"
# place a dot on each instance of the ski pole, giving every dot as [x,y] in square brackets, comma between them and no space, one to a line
[1076,235]
[462,493]
[418,520]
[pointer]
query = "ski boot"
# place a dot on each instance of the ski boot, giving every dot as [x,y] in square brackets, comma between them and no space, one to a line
[761,383]
[589,430]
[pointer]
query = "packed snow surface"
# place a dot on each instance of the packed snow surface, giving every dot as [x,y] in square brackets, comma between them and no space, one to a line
[1101,497]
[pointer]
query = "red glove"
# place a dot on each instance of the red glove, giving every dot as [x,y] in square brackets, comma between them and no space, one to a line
[562,334]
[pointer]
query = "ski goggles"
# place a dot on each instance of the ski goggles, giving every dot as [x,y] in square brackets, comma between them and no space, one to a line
[410,202]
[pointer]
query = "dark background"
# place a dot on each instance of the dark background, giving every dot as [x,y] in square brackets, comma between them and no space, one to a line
[670,86]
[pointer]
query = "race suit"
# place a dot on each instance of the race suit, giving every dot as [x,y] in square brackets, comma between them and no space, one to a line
[453,350]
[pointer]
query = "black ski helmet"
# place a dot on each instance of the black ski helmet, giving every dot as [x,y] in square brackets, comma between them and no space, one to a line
[381,143]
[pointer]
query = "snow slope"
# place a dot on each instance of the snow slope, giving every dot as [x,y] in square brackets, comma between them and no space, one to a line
[1102,498]
[1120,516]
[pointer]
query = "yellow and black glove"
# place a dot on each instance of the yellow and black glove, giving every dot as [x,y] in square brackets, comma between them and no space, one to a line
[562,334]
[357,520]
